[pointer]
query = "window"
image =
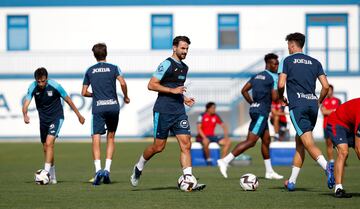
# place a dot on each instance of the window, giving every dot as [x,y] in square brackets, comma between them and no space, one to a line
[17,32]
[228,31]
[161,31]
[327,40]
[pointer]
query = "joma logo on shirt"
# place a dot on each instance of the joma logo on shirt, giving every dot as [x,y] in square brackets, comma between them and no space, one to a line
[302,61]
[101,70]
[260,77]
[106,102]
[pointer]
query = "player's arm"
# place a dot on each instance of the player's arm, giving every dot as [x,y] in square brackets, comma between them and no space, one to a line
[325,111]
[124,89]
[199,130]
[281,87]
[27,102]
[245,92]
[225,129]
[85,92]
[154,85]
[75,109]
[324,88]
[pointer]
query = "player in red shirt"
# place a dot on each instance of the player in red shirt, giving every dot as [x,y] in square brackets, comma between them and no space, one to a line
[329,105]
[278,120]
[206,125]
[344,130]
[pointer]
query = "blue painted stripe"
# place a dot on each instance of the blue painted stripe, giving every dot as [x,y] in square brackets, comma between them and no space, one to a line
[156,122]
[59,127]
[29,94]
[58,87]
[43,3]
[297,128]
[258,125]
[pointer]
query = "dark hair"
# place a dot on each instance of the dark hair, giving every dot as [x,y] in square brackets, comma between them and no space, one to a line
[40,72]
[177,40]
[331,86]
[298,38]
[100,51]
[209,104]
[269,57]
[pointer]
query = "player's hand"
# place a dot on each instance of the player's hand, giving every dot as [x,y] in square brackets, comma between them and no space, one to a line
[81,119]
[26,119]
[284,101]
[126,100]
[189,101]
[178,90]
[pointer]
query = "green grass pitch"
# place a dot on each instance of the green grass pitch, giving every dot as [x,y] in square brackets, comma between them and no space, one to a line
[157,189]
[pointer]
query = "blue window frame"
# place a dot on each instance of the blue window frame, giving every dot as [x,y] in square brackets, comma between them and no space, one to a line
[228,31]
[17,32]
[328,40]
[161,31]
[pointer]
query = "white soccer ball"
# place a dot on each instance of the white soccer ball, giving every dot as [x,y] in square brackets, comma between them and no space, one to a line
[249,182]
[42,177]
[187,182]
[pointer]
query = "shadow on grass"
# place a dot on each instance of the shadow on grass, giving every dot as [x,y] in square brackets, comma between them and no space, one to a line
[297,189]
[156,189]
[331,194]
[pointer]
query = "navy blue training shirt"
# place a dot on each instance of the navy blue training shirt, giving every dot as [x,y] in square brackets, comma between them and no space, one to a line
[102,78]
[48,102]
[302,72]
[262,85]
[172,74]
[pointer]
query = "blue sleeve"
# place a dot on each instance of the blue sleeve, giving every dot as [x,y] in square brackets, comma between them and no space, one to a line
[251,81]
[282,66]
[30,92]
[161,70]
[86,79]
[58,87]
[320,70]
[276,80]
[118,72]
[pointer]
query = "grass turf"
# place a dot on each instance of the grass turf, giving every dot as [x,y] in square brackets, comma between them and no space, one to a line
[157,189]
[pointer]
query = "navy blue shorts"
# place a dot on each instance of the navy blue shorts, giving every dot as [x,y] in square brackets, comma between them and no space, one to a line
[304,118]
[176,123]
[211,138]
[52,128]
[326,133]
[103,121]
[258,124]
[340,135]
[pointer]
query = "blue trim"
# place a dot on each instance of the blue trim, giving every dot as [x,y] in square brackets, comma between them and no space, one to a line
[11,26]
[275,77]
[92,124]
[158,42]
[58,87]
[257,126]
[327,20]
[233,26]
[43,3]
[156,123]
[292,117]
[59,127]
[31,88]
[161,70]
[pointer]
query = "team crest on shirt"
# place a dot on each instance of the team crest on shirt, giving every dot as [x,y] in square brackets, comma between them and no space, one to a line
[50,93]
[184,124]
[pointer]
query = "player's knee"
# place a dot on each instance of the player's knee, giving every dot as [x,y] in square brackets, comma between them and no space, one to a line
[158,148]
[357,150]
[343,153]
[251,143]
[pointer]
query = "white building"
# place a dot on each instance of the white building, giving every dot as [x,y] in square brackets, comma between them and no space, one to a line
[229,37]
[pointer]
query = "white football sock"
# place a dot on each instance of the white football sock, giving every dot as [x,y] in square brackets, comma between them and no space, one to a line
[187,170]
[321,161]
[141,163]
[332,161]
[338,186]
[294,174]
[47,167]
[97,165]
[228,158]
[52,172]
[268,166]
[107,164]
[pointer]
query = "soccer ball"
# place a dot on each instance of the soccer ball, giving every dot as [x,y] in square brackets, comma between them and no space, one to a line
[187,182]
[249,182]
[42,177]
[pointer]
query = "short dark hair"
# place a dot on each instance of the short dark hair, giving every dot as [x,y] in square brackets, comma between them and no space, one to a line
[331,86]
[177,40]
[40,72]
[209,104]
[298,38]
[100,51]
[269,57]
